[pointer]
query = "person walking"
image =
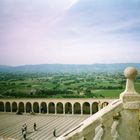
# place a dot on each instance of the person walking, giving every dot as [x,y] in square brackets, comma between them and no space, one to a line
[35,127]
[25,126]
[54,132]
[22,129]
[24,134]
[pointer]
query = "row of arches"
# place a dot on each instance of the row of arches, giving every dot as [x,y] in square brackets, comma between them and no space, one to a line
[52,108]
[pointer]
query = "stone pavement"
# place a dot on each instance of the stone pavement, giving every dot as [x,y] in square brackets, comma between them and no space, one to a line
[11,124]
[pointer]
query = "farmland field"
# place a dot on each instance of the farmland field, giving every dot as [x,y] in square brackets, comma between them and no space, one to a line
[63,85]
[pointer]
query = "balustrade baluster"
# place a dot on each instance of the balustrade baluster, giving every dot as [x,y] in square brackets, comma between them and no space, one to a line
[107,123]
[99,131]
[114,128]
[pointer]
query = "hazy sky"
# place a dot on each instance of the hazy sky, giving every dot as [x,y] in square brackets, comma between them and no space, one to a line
[69,31]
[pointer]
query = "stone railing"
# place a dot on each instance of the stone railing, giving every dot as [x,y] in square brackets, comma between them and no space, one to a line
[118,121]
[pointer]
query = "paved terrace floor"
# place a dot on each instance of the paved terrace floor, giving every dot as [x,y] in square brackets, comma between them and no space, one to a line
[11,124]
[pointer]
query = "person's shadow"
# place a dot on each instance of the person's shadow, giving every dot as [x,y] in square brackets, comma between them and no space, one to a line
[29,132]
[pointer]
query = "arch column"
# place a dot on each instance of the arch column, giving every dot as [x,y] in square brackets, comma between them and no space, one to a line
[63,108]
[72,109]
[90,108]
[99,105]
[24,108]
[39,108]
[81,109]
[4,107]
[47,108]
[55,108]
[32,107]
[11,107]
[17,106]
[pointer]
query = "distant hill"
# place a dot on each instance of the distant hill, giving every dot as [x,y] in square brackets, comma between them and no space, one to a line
[4,68]
[69,68]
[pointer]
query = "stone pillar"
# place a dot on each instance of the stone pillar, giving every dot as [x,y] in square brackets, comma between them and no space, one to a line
[4,106]
[90,109]
[40,108]
[18,107]
[129,120]
[72,109]
[55,108]
[99,106]
[63,108]
[47,108]
[24,108]
[82,109]
[11,108]
[32,110]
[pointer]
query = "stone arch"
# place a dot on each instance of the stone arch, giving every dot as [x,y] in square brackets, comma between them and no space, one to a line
[86,108]
[77,108]
[1,107]
[8,107]
[21,107]
[43,108]
[95,107]
[51,107]
[36,107]
[14,107]
[68,108]
[104,104]
[28,107]
[59,108]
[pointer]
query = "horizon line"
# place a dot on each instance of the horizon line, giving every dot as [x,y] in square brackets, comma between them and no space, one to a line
[70,64]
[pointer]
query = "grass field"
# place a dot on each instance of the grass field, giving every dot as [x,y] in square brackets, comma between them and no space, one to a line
[84,85]
[108,93]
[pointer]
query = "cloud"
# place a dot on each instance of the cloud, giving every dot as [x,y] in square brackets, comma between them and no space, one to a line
[71,4]
[69,31]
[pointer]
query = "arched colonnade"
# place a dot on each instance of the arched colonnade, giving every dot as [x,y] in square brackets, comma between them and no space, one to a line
[52,107]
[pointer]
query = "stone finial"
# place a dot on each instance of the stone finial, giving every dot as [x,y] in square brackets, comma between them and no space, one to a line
[130,73]
[130,97]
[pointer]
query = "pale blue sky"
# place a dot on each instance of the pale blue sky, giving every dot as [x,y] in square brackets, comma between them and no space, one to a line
[69,31]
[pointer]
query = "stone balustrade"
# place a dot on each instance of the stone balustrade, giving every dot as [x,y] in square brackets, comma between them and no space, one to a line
[117,121]
[98,125]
